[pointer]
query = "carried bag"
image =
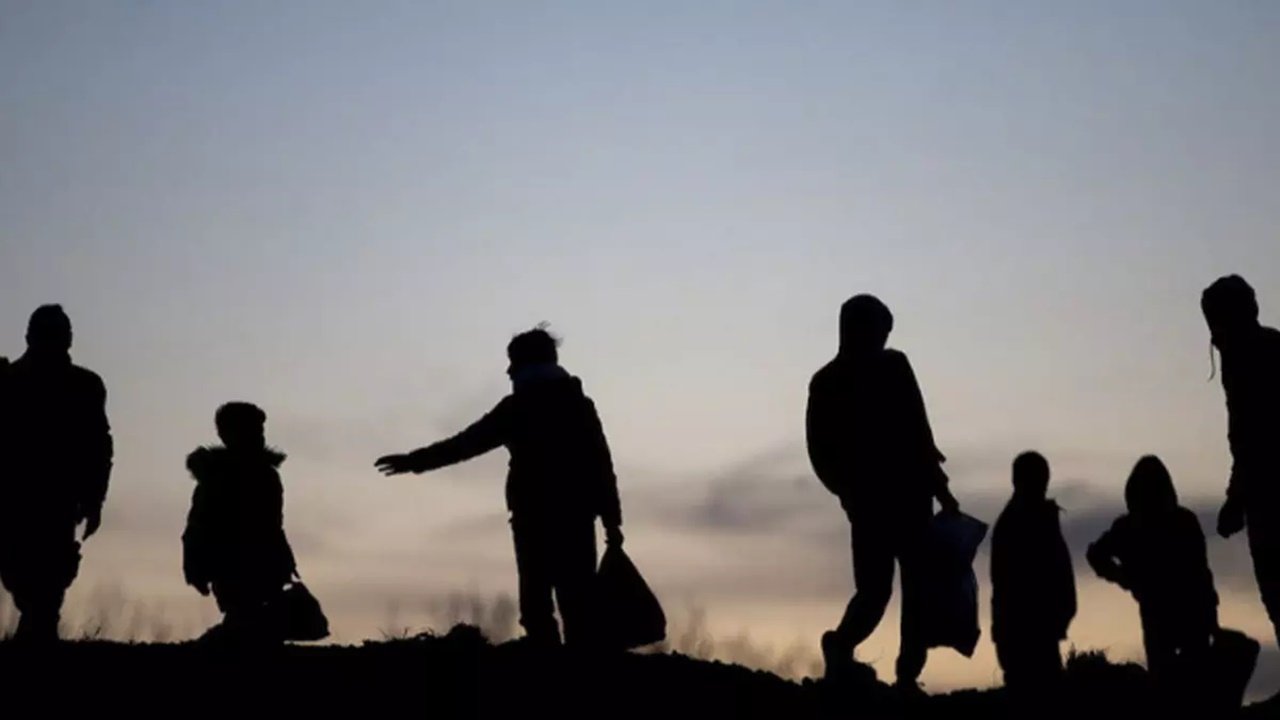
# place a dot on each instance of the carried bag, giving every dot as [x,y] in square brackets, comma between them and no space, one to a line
[949,598]
[1233,657]
[295,614]
[629,615]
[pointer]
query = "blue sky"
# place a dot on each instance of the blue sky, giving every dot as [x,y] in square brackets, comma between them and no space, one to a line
[343,210]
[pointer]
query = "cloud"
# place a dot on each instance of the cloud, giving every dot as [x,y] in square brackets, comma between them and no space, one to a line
[771,495]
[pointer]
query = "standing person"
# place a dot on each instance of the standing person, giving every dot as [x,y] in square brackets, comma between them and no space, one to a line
[1251,381]
[1033,589]
[56,456]
[234,544]
[560,479]
[1157,552]
[871,445]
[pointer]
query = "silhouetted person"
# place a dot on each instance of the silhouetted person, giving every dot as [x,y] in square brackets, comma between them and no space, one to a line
[1157,552]
[56,454]
[560,479]
[1033,588]
[870,443]
[234,544]
[1251,381]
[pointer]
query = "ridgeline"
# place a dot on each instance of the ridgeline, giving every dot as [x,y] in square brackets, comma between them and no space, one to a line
[462,675]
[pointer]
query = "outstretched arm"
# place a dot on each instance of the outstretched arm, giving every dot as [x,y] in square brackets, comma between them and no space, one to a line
[486,434]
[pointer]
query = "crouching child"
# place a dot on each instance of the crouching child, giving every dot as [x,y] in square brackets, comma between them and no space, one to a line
[1157,552]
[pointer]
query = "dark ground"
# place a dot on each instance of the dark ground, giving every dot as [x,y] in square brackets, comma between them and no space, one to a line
[462,675]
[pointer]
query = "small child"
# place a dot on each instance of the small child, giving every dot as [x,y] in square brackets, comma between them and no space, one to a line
[234,544]
[1157,552]
[1033,589]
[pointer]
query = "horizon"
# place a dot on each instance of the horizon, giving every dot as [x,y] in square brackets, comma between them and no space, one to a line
[343,214]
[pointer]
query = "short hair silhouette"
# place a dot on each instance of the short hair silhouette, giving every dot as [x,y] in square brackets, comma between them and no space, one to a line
[1150,486]
[533,347]
[1231,298]
[865,320]
[234,417]
[49,326]
[1030,472]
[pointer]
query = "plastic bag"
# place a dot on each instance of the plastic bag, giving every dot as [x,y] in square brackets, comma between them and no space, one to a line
[1233,657]
[629,614]
[295,614]
[950,597]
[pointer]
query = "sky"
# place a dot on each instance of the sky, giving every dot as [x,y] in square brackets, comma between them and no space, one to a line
[342,211]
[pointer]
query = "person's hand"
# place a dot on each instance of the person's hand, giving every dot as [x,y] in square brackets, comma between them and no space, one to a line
[948,502]
[396,464]
[1230,518]
[613,536]
[92,521]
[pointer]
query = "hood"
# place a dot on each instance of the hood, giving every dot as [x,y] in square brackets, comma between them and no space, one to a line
[1150,487]
[207,461]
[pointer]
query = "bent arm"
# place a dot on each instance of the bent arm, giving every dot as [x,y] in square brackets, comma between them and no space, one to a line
[195,540]
[288,563]
[919,431]
[609,504]
[819,444]
[1066,573]
[101,450]
[1102,558]
[486,434]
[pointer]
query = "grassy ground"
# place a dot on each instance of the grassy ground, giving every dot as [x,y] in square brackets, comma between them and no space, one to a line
[462,675]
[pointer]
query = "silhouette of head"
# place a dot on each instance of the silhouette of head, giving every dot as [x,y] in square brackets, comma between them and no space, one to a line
[865,324]
[1031,475]
[1230,307]
[1150,487]
[532,347]
[241,425]
[49,330]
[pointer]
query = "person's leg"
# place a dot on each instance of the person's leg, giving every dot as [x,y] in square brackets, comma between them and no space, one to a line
[537,611]
[913,557]
[1160,641]
[1262,526]
[873,570]
[873,579]
[574,574]
[45,571]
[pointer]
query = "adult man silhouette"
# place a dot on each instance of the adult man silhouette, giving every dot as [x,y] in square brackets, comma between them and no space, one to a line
[560,480]
[871,445]
[55,464]
[1251,382]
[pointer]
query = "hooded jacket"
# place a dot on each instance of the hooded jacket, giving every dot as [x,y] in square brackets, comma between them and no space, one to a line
[560,464]
[235,528]
[867,430]
[1157,550]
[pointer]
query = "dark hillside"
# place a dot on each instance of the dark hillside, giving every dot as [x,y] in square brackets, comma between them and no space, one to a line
[462,675]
